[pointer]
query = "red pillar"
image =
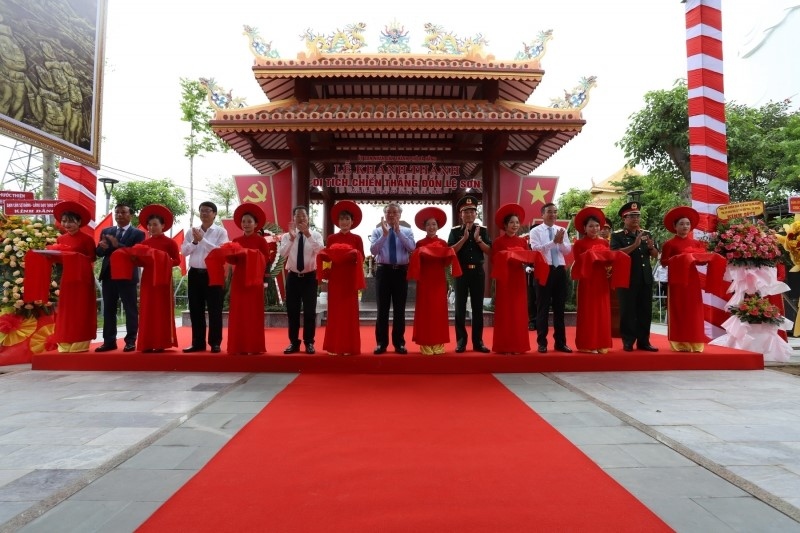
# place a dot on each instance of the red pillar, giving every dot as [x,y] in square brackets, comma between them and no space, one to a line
[707,133]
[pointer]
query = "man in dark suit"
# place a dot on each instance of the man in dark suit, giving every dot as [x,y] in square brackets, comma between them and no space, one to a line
[471,242]
[119,236]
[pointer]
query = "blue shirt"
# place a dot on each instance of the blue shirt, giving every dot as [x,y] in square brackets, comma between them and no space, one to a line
[380,245]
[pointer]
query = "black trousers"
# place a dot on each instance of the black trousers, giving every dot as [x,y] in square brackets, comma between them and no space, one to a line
[532,308]
[203,297]
[553,294]
[635,313]
[392,291]
[115,291]
[470,284]
[301,294]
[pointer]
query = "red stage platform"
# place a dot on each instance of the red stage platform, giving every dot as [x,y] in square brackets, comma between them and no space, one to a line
[713,358]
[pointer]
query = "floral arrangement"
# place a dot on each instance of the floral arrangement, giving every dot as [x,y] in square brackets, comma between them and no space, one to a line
[20,234]
[790,243]
[745,243]
[754,309]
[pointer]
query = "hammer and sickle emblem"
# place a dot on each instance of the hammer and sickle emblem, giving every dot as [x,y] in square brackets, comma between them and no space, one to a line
[259,190]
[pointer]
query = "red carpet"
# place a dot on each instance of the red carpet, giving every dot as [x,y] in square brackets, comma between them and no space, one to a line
[714,358]
[400,453]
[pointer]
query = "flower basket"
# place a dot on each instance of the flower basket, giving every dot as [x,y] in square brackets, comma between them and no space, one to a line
[746,244]
[24,327]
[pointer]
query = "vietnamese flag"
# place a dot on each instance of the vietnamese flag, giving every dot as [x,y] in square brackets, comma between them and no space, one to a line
[531,192]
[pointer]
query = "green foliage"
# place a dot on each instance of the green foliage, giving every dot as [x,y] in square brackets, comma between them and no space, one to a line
[658,135]
[763,146]
[138,194]
[572,201]
[198,113]
[196,110]
[224,194]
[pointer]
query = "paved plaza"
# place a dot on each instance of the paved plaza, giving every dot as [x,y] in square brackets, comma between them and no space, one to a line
[100,451]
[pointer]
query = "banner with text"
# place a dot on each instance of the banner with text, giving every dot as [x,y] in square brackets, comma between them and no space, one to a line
[415,176]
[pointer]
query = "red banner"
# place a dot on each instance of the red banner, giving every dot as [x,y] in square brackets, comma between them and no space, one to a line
[531,192]
[272,193]
[16,195]
[107,222]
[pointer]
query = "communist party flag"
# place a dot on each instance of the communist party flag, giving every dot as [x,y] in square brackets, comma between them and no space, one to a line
[272,193]
[531,192]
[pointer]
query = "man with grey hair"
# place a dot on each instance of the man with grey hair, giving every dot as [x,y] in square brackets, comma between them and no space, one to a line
[391,245]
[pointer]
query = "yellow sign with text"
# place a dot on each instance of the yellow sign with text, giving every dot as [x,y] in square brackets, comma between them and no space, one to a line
[752,208]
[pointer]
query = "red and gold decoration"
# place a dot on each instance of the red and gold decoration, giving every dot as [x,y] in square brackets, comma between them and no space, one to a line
[25,329]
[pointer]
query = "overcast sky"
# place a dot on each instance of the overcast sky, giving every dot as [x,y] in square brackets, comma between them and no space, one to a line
[632,46]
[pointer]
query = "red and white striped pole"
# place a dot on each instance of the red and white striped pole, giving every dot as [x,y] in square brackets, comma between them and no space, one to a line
[707,133]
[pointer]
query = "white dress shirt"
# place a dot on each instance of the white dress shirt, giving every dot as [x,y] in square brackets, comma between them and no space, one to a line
[213,237]
[541,241]
[311,247]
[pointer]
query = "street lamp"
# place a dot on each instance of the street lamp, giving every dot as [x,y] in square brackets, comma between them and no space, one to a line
[635,196]
[108,186]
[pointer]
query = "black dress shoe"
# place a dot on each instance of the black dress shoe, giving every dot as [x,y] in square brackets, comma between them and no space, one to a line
[648,348]
[480,348]
[105,348]
[379,349]
[401,350]
[215,348]
[292,348]
[563,348]
[461,347]
[627,347]
[191,349]
[129,348]
[542,348]
[310,348]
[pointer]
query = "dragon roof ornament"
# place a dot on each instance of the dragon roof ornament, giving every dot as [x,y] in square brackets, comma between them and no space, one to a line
[536,48]
[438,41]
[347,41]
[219,98]
[577,97]
[258,46]
[394,39]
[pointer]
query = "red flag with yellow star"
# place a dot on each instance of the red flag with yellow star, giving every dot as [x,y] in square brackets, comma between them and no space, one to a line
[531,192]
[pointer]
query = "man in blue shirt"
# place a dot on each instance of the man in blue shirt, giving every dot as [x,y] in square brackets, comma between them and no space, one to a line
[391,246]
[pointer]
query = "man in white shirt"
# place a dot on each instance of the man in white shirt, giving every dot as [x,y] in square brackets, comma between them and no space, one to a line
[553,243]
[300,246]
[196,246]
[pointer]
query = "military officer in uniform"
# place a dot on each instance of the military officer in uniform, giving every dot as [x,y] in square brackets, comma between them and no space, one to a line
[635,302]
[470,242]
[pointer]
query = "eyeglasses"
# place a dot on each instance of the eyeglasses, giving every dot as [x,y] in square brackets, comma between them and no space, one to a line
[633,215]
[206,210]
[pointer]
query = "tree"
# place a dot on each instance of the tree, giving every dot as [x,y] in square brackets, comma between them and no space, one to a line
[223,193]
[658,135]
[763,143]
[198,113]
[138,194]
[573,201]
